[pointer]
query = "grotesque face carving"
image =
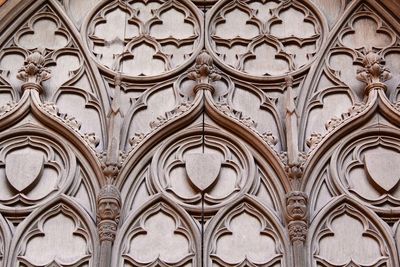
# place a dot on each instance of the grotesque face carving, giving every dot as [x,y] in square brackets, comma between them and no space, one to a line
[108,209]
[296,204]
[108,204]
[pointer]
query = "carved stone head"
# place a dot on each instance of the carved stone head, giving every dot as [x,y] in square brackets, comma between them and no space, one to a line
[296,205]
[108,204]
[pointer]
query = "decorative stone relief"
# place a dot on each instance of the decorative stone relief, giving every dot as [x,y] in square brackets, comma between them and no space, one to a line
[373,73]
[158,237]
[355,55]
[231,173]
[296,213]
[49,46]
[144,38]
[252,107]
[45,245]
[245,237]
[267,38]
[102,98]
[33,72]
[32,169]
[366,168]
[361,242]
[108,212]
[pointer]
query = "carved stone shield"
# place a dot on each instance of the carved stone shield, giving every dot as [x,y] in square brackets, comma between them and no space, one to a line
[383,166]
[202,169]
[23,169]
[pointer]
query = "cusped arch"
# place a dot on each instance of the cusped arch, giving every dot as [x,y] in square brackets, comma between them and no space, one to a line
[38,240]
[159,233]
[246,233]
[30,112]
[38,165]
[165,169]
[359,117]
[252,22]
[139,25]
[364,238]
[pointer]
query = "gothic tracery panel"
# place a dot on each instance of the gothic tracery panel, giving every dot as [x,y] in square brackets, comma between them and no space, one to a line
[362,243]
[245,236]
[141,242]
[199,133]
[144,38]
[337,93]
[263,38]
[41,243]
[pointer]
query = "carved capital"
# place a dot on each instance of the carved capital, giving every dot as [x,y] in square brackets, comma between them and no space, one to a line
[374,74]
[204,72]
[107,230]
[297,231]
[108,211]
[33,72]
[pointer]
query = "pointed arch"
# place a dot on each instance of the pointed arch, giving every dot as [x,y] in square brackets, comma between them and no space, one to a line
[376,105]
[64,169]
[225,241]
[344,218]
[39,231]
[135,241]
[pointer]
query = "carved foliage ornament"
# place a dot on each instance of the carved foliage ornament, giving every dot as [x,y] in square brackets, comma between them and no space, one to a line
[33,72]
[46,45]
[373,73]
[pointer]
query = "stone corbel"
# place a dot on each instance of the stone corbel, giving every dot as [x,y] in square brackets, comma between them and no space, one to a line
[297,224]
[108,215]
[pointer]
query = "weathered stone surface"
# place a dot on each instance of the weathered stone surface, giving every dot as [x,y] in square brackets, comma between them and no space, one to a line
[199,133]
